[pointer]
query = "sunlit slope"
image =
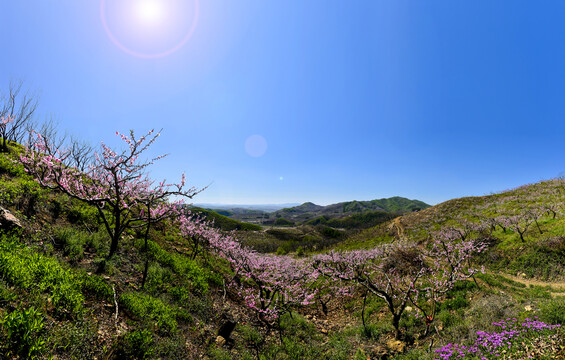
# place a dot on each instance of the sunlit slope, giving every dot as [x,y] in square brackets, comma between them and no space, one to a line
[525,228]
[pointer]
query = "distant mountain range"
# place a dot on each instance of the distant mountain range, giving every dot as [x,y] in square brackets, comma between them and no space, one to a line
[310,210]
[295,213]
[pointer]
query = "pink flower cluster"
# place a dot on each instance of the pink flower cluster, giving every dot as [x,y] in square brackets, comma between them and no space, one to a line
[491,344]
[268,284]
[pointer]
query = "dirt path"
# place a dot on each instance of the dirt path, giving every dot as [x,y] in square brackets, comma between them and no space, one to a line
[557,288]
[397,228]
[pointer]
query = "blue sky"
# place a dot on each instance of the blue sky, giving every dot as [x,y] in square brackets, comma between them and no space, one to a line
[294,101]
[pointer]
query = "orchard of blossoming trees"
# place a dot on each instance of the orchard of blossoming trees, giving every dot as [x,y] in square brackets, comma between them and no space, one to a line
[117,185]
[401,273]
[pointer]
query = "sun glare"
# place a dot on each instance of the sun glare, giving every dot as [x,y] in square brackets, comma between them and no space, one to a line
[150,12]
[149,28]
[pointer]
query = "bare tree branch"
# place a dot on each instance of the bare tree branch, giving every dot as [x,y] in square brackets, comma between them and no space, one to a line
[16,110]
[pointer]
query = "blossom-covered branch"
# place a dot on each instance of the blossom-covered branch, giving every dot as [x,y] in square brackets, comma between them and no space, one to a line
[269,284]
[116,183]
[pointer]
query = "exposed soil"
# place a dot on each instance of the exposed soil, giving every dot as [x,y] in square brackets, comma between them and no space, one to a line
[557,288]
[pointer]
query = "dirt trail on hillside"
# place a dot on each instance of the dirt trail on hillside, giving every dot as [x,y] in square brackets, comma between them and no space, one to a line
[557,288]
[397,229]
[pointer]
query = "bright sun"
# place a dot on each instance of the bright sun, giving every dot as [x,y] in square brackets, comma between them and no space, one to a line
[149,28]
[150,12]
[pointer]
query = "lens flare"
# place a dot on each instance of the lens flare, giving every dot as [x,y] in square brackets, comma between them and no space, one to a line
[256,145]
[149,28]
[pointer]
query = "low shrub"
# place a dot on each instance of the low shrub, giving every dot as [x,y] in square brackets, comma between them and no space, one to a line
[458,302]
[179,293]
[82,214]
[74,242]
[375,331]
[22,193]
[331,233]
[10,167]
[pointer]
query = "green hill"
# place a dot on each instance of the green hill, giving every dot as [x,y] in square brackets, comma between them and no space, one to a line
[536,209]
[223,222]
[308,212]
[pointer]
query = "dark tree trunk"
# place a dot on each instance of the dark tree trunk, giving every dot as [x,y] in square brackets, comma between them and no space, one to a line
[146,250]
[145,270]
[396,324]
[113,245]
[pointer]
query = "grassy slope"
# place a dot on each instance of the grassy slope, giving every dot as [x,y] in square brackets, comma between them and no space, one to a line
[48,282]
[49,289]
[541,255]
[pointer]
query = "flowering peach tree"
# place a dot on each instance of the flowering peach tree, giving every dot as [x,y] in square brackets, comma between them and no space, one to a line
[404,273]
[115,183]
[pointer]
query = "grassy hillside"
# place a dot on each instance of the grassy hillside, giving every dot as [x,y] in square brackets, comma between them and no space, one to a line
[355,221]
[62,297]
[535,210]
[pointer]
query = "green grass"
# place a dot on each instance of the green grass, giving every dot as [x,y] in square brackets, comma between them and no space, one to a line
[82,214]
[177,310]
[24,331]
[150,308]
[96,287]
[553,310]
[74,242]
[36,273]
[23,194]
[166,263]
[74,339]
[138,344]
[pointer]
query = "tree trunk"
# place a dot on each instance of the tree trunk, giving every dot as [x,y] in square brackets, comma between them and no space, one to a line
[113,244]
[396,324]
[539,228]
[146,250]
[363,311]
[145,270]
[117,229]
[522,235]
